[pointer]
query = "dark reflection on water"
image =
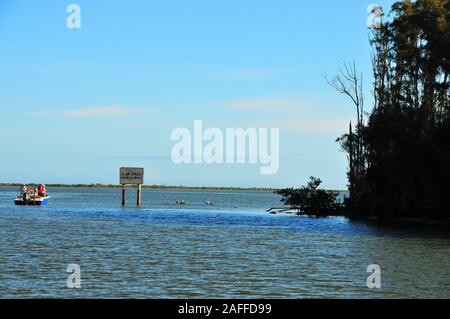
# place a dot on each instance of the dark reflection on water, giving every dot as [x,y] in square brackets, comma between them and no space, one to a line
[232,250]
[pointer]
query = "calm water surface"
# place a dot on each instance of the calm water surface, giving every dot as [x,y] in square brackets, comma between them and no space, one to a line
[232,250]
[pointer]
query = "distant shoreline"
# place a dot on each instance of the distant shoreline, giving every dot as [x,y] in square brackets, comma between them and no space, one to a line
[161,187]
[256,189]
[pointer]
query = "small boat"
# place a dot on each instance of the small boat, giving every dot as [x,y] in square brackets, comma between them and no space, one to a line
[31,200]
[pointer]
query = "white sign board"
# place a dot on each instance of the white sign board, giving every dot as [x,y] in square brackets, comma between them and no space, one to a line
[131,175]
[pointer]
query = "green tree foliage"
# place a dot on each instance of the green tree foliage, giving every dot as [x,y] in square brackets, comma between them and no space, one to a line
[310,199]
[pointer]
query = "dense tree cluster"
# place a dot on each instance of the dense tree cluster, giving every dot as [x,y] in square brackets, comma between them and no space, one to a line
[400,153]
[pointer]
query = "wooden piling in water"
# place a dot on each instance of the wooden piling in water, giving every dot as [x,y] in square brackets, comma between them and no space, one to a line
[139,195]
[123,195]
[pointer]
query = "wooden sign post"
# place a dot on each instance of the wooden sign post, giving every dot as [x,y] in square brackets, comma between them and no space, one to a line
[139,195]
[132,176]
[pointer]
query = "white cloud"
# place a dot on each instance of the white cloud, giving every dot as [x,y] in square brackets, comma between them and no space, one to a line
[330,125]
[101,111]
[294,114]
[98,111]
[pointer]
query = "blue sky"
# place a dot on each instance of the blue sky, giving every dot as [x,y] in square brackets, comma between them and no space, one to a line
[76,104]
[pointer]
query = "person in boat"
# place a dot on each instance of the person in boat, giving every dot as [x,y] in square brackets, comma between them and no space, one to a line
[23,189]
[41,190]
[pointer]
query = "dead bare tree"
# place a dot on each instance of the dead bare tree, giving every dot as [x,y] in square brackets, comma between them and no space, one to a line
[350,83]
